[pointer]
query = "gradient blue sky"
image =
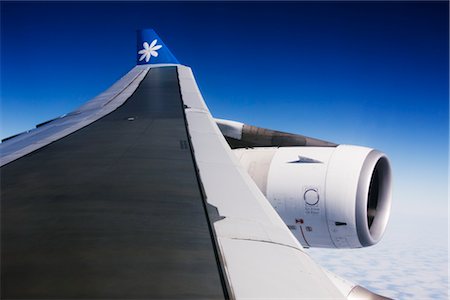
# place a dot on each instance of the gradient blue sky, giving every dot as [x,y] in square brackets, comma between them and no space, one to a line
[374,74]
[365,73]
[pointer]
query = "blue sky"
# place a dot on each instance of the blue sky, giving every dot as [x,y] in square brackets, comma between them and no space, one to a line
[364,73]
[374,74]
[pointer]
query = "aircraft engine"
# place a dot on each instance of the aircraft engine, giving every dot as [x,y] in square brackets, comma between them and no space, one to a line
[329,197]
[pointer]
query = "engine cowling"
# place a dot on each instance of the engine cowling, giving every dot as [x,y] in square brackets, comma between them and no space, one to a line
[330,197]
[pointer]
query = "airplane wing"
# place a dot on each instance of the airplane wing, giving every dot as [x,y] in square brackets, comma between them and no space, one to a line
[137,195]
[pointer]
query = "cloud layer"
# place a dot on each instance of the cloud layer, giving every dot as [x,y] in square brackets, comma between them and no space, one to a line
[411,262]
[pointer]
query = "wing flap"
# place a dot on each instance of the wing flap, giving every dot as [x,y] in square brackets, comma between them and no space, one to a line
[261,270]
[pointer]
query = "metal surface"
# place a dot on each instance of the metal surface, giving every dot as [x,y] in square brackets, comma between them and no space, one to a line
[256,162]
[45,133]
[253,136]
[360,293]
[262,259]
[372,215]
[111,211]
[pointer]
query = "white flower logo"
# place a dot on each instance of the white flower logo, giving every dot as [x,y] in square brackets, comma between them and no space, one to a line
[149,51]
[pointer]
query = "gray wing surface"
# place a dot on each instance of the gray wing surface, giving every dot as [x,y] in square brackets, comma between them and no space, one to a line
[113,210]
[141,198]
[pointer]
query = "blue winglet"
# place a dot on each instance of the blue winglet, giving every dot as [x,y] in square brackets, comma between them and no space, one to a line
[152,50]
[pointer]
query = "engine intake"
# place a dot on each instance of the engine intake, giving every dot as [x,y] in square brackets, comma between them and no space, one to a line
[331,197]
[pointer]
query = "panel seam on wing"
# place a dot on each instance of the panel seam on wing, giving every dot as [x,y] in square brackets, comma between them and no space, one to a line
[263,241]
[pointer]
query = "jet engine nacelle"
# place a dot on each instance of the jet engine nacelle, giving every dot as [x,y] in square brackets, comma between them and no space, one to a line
[330,197]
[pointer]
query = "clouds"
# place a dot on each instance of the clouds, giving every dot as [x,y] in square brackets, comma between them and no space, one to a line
[411,262]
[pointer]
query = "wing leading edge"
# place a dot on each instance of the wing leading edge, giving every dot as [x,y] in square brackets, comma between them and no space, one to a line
[262,259]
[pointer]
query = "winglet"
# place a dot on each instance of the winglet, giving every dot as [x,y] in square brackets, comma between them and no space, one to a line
[152,50]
